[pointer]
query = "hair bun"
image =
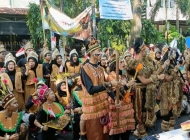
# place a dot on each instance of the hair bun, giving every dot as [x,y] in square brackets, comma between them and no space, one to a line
[137,44]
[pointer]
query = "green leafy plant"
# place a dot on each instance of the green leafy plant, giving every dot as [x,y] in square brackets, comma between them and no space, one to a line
[150,34]
[173,33]
[113,30]
[34,23]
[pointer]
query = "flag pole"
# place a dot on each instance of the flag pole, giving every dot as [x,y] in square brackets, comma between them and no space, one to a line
[93,19]
[117,88]
[44,35]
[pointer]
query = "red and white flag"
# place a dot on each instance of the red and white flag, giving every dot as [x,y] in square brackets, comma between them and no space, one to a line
[20,52]
[51,113]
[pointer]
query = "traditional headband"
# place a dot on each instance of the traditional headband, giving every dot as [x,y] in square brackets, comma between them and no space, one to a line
[93,47]
[7,100]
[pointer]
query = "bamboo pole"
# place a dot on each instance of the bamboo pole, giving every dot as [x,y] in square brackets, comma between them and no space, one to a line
[44,35]
[117,88]
[93,19]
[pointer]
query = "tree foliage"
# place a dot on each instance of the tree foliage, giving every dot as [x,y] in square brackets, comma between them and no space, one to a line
[150,34]
[115,31]
[183,5]
[34,23]
[173,33]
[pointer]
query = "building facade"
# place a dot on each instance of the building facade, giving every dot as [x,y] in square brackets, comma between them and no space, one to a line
[168,11]
[13,27]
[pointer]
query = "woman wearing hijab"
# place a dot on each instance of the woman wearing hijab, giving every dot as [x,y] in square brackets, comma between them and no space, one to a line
[32,70]
[57,68]
[14,80]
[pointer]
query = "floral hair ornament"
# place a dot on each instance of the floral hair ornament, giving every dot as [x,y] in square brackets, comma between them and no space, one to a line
[5,94]
[127,95]
[44,91]
[39,81]
[41,94]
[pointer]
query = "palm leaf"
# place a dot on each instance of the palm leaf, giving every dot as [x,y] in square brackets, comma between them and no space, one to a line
[183,5]
[155,9]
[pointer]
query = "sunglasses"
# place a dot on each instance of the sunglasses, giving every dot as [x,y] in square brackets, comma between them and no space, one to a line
[97,54]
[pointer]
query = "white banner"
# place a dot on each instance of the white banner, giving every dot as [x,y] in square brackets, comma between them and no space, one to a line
[115,9]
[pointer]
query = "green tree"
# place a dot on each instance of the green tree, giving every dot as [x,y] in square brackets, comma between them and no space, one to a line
[34,23]
[113,30]
[173,33]
[150,34]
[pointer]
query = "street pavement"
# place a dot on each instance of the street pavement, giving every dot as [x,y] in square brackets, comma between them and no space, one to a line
[155,130]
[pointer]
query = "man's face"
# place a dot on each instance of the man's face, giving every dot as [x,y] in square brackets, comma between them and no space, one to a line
[97,54]
[48,56]
[13,106]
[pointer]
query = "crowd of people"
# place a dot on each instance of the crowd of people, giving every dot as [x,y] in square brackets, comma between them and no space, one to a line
[43,96]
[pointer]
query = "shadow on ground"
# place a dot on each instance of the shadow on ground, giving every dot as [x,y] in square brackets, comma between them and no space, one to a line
[155,130]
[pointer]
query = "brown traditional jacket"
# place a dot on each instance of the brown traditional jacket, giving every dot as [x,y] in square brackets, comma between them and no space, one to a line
[31,74]
[94,106]
[63,100]
[73,69]
[18,81]
[54,72]
[9,125]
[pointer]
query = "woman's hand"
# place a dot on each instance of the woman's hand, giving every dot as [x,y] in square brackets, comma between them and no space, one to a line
[45,128]
[176,68]
[79,110]
[161,76]
[115,83]
[67,111]
[118,105]
[166,63]
[14,137]
[131,83]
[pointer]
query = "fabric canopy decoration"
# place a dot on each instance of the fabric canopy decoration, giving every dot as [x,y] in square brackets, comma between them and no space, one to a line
[60,23]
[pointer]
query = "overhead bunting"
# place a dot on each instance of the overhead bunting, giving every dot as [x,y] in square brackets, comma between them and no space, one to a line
[58,22]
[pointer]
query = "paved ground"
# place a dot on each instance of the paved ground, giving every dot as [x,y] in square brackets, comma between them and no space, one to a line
[155,130]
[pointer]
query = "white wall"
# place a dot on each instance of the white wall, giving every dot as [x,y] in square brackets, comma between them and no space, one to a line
[17,3]
[161,14]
